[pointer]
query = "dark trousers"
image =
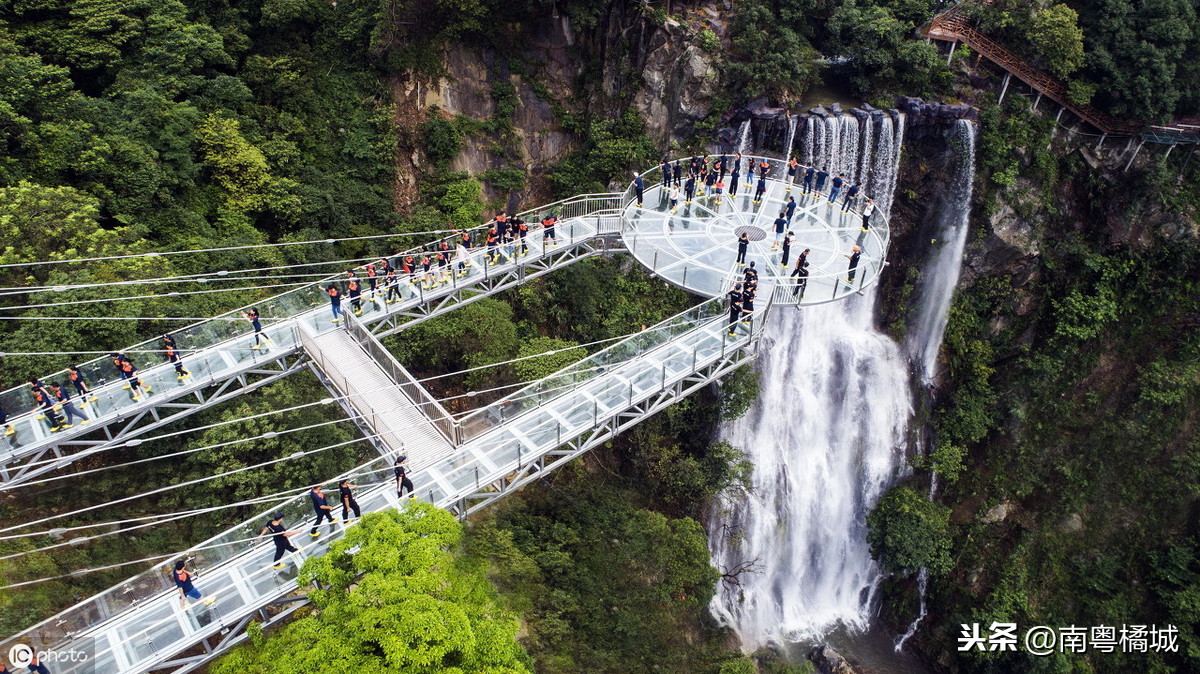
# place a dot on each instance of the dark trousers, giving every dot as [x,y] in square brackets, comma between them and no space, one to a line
[850,274]
[741,254]
[281,547]
[733,184]
[393,291]
[349,504]
[639,195]
[322,515]
[786,253]
[734,314]
[866,221]
[403,483]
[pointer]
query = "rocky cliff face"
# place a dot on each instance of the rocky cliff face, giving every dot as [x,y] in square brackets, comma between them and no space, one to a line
[660,69]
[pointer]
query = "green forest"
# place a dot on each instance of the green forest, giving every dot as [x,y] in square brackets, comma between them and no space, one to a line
[296,133]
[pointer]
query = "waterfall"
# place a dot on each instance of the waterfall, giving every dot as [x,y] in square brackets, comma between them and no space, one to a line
[743,146]
[848,159]
[833,143]
[809,125]
[939,274]
[864,165]
[826,438]
[791,136]
[828,432]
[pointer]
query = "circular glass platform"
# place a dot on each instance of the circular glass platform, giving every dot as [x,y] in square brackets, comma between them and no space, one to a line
[695,245]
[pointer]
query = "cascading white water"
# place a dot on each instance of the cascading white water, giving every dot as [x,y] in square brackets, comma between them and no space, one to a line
[885,203]
[809,125]
[833,137]
[939,277]
[848,161]
[939,274]
[864,164]
[826,437]
[791,137]
[743,146]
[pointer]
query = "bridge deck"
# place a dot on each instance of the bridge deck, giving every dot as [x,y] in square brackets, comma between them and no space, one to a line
[140,624]
[221,356]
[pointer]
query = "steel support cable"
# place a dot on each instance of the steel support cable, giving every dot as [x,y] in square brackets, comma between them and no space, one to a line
[153,254]
[221,275]
[153,297]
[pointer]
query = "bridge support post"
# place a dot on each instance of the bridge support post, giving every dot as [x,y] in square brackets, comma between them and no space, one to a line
[1037,100]
[951,56]
[1135,154]
[1004,89]
[1100,143]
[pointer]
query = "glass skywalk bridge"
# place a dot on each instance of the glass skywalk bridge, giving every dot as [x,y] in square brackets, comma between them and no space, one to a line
[141,626]
[220,352]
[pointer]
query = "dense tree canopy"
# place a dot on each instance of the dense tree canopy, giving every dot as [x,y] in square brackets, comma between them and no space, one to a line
[392,597]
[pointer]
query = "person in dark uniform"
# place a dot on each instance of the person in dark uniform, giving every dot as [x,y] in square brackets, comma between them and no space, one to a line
[790,209]
[183,582]
[335,302]
[392,284]
[809,172]
[666,173]
[735,177]
[787,250]
[749,172]
[780,224]
[354,290]
[346,495]
[676,174]
[735,307]
[762,187]
[867,210]
[855,252]
[748,294]
[639,188]
[751,274]
[792,166]
[117,358]
[131,376]
[822,176]
[801,276]
[173,358]
[402,481]
[522,233]
[838,181]
[710,181]
[689,190]
[44,405]
[324,510]
[280,535]
[62,398]
[743,244]
[851,195]
[81,387]
[548,223]
[493,240]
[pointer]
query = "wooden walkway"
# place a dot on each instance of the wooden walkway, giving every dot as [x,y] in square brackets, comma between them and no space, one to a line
[952,26]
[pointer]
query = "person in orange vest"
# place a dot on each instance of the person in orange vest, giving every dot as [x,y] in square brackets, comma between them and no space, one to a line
[408,267]
[426,271]
[466,243]
[522,232]
[548,223]
[117,358]
[172,356]
[335,302]
[354,290]
[492,239]
[76,377]
[44,403]
[372,281]
[393,286]
[63,399]
[9,429]
[135,383]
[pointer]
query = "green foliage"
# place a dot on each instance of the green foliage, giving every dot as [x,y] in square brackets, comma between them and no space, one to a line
[504,179]
[907,531]
[392,596]
[1081,92]
[474,335]
[442,138]
[768,56]
[605,584]
[557,354]
[612,150]
[1056,36]
[739,390]
[708,41]
[882,57]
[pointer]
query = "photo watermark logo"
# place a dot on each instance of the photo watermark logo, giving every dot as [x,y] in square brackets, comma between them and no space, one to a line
[76,658]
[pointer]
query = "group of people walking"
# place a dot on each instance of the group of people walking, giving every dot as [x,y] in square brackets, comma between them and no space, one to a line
[55,402]
[706,174]
[505,236]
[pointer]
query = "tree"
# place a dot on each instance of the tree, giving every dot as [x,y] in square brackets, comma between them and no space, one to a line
[558,353]
[1056,36]
[769,57]
[908,531]
[392,596]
